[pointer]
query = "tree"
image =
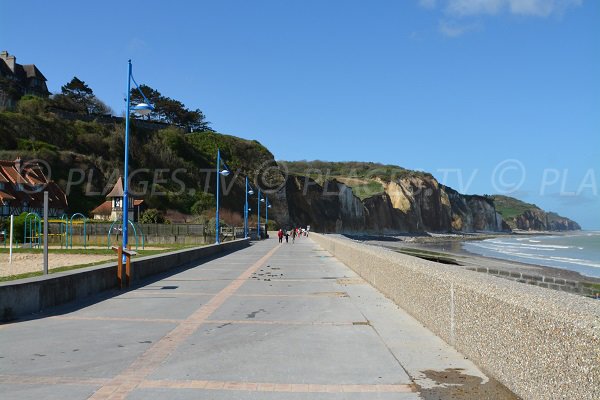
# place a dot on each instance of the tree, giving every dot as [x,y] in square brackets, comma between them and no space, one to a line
[79,96]
[78,92]
[205,201]
[152,216]
[169,110]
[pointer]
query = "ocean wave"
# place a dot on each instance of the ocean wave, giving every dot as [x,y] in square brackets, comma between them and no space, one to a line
[515,246]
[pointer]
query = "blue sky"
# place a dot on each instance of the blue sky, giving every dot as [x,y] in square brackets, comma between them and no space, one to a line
[491,96]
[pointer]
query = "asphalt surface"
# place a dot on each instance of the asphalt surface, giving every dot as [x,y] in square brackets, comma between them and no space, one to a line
[272,321]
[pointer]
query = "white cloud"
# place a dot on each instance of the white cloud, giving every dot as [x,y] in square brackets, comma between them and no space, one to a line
[474,7]
[453,29]
[428,3]
[536,8]
[541,8]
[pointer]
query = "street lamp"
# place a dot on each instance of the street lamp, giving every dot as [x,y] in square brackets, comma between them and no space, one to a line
[267,206]
[143,109]
[225,171]
[250,192]
[258,207]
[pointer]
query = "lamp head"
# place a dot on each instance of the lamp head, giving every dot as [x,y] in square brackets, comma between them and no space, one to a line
[143,108]
[269,206]
[250,192]
[225,172]
[262,200]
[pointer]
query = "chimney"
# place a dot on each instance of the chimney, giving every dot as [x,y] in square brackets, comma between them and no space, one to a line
[11,61]
[18,164]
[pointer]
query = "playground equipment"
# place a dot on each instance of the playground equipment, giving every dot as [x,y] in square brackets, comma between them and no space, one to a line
[118,228]
[33,226]
[69,227]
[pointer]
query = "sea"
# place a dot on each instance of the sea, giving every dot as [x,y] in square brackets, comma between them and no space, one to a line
[575,251]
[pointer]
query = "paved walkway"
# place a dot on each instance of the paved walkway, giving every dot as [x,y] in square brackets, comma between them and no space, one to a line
[267,322]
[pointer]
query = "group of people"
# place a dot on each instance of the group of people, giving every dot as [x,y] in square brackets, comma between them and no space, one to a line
[294,233]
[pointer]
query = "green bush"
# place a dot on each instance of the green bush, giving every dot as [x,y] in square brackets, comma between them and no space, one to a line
[152,216]
[32,105]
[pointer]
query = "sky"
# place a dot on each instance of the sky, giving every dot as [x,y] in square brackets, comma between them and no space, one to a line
[490,96]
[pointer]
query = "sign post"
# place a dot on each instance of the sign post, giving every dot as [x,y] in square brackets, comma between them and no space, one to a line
[46,233]
[12,222]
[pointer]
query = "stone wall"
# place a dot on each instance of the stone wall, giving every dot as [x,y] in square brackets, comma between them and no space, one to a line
[540,343]
[566,285]
[32,295]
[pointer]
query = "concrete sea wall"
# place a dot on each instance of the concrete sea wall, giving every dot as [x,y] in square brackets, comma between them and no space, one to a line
[540,343]
[26,296]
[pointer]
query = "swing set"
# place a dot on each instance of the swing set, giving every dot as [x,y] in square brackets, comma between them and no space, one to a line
[33,233]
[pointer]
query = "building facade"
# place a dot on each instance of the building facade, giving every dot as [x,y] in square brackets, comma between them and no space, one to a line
[17,80]
[22,187]
[112,208]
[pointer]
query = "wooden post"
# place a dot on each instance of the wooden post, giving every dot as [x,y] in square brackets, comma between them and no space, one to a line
[120,267]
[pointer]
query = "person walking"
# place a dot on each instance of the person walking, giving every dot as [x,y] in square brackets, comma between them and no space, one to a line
[280,235]
[287,236]
[294,233]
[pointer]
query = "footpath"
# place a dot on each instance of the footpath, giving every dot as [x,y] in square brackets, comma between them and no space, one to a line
[271,321]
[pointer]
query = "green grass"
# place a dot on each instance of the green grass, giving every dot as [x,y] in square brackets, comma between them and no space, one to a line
[101,252]
[510,207]
[367,190]
[320,170]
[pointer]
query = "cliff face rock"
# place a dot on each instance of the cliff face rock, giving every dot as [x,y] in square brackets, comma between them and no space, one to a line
[330,207]
[409,204]
[529,217]
[539,220]
[474,213]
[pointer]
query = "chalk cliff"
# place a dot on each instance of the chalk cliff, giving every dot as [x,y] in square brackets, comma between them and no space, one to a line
[410,204]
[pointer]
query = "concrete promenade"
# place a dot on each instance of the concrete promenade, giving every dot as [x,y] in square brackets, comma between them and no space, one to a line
[267,322]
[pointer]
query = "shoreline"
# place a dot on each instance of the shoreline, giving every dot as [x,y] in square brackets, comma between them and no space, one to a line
[449,246]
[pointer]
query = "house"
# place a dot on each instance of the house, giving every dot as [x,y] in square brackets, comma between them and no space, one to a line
[112,208]
[22,187]
[17,80]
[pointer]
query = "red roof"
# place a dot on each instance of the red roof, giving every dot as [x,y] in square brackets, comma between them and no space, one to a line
[6,196]
[25,182]
[103,209]
[117,190]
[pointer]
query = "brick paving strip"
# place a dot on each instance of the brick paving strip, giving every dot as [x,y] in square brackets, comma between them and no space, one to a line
[51,380]
[211,321]
[130,378]
[208,385]
[274,387]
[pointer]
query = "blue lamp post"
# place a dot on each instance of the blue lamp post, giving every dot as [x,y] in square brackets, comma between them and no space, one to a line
[220,172]
[267,206]
[142,109]
[249,191]
[258,207]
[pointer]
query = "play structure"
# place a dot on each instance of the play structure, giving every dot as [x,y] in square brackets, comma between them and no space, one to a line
[32,231]
[118,229]
[76,218]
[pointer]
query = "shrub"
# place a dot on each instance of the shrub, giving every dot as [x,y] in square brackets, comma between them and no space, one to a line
[152,216]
